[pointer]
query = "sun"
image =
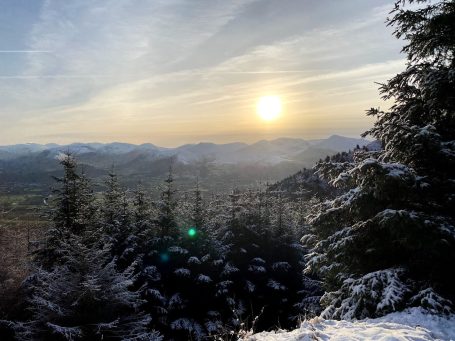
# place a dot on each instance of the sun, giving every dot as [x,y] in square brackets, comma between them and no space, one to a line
[269,107]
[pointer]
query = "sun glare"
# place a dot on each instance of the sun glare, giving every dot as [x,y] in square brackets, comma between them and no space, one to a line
[269,107]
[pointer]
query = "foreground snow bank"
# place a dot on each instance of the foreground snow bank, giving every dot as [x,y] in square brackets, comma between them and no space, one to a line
[413,324]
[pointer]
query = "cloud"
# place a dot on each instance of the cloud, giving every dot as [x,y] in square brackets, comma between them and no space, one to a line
[152,64]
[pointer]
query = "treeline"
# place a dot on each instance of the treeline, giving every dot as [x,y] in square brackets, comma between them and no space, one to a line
[118,265]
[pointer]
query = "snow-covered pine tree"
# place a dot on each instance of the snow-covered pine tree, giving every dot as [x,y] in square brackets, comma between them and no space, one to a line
[180,269]
[66,196]
[71,210]
[164,261]
[198,211]
[84,298]
[142,230]
[237,281]
[287,291]
[388,242]
[74,290]
[199,276]
[262,274]
[116,220]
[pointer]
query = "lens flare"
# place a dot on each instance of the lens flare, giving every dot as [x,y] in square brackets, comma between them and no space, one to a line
[192,232]
[164,257]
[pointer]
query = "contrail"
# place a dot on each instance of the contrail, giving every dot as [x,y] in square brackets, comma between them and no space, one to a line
[25,51]
[53,76]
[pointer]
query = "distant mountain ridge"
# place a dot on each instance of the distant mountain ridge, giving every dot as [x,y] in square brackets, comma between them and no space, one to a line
[264,151]
[30,168]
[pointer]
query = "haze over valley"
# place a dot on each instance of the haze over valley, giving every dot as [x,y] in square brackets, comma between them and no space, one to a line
[218,166]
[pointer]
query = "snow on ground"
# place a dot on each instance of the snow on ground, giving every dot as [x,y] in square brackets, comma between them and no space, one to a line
[413,324]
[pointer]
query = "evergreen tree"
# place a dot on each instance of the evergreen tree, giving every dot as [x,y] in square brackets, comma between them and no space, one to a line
[115,220]
[142,231]
[84,298]
[388,242]
[198,214]
[71,210]
[263,271]
[180,271]
[74,290]
[199,274]
[289,294]
[66,197]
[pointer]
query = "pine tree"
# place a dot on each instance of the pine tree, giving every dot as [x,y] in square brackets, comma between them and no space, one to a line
[71,210]
[262,274]
[66,211]
[163,262]
[388,242]
[74,290]
[182,268]
[167,208]
[205,264]
[198,216]
[84,298]
[142,231]
[287,290]
[115,220]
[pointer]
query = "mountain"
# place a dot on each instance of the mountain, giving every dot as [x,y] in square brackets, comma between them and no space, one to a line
[308,180]
[220,166]
[264,151]
[339,143]
[206,150]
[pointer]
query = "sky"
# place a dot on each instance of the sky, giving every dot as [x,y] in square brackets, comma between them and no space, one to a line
[171,72]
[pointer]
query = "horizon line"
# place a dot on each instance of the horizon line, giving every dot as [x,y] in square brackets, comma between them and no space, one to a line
[184,144]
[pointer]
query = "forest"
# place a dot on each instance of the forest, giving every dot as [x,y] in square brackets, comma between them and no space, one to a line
[362,234]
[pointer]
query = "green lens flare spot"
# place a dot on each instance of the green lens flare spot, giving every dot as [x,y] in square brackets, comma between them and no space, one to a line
[192,232]
[164,257]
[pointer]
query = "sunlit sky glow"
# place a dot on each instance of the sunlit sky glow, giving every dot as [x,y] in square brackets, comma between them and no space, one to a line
[269,107]
[179,71]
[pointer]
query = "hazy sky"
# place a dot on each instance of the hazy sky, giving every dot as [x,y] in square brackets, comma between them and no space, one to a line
[178,71]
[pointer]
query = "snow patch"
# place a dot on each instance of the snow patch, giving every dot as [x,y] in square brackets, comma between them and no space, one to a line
[413,324]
